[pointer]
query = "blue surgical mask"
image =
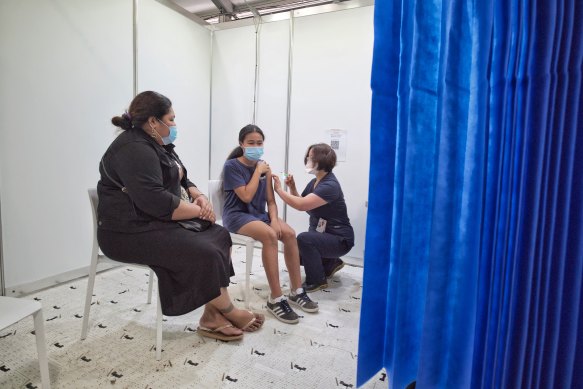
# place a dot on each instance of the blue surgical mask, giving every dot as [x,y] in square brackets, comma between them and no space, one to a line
[253,153]
[171,138]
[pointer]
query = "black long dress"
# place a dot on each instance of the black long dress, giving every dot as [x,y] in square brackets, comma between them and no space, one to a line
[135,226]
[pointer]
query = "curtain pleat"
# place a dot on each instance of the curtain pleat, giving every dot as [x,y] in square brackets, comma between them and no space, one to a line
[447,334]
[547,225]
[375,322]
[474,252]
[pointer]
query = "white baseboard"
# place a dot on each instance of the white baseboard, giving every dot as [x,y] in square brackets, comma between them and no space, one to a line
[35,286]
[353,261]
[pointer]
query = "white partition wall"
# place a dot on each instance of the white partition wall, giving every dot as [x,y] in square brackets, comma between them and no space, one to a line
[65,69]
[233,71]
[233,90]
[174,59]
[272,91]
[331,90]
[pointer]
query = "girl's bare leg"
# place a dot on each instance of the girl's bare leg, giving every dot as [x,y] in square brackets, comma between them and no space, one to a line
[291,254]
[266,235]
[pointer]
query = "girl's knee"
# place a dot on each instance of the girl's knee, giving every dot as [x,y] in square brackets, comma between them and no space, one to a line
[288,234]
[269,239]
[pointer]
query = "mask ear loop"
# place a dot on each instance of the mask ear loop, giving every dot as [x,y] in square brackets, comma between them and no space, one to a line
[154,134]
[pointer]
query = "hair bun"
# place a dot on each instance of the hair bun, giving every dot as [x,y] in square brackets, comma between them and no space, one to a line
[124,121]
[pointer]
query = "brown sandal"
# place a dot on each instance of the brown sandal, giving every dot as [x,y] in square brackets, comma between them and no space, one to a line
[217,334]
[257,317]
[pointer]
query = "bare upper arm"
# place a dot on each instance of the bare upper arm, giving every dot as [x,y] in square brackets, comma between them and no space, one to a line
[312,201]
[269,189]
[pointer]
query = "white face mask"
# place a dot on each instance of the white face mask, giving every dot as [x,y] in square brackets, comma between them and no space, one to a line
[310,168]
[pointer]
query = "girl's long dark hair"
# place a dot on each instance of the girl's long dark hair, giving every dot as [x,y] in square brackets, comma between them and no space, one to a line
[238,151]
[248,129]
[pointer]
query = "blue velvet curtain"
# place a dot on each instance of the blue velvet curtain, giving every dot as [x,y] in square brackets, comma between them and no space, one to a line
[474,250]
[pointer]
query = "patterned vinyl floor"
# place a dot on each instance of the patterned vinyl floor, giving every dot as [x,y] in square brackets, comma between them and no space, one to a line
[319,352]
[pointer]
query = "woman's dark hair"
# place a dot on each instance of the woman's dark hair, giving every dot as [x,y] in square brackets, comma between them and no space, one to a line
[143,106]
[248,129]
[322,155]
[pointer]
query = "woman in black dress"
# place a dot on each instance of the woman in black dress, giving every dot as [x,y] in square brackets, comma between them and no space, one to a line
[143,193]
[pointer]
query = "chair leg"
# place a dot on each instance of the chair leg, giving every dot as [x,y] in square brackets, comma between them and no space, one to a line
[150,285]
[159,330]
[39,330]
[249,265]
[90,286]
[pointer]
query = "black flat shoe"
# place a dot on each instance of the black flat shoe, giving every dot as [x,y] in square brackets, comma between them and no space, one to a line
[331,268]
[314,287]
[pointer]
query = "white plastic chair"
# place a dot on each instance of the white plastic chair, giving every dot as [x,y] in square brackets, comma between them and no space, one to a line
[96,258]
[217,200]
[15,309]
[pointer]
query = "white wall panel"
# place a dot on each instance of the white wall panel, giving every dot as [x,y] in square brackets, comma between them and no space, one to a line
[331,90]
[233,90]
[174,59]
[272,92]
[65,70]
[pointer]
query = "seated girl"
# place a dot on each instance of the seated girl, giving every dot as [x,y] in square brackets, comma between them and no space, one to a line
[248,189]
